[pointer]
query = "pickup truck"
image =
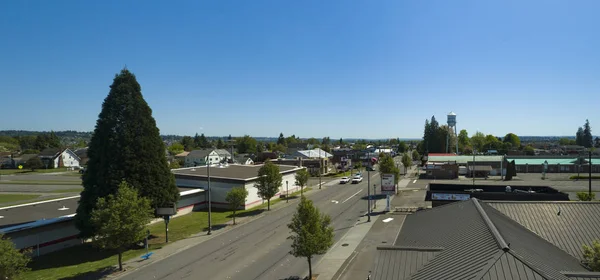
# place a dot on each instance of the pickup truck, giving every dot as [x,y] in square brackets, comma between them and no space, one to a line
[344,180]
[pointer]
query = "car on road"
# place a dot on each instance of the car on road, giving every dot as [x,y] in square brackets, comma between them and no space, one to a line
[357,179]
[344,180]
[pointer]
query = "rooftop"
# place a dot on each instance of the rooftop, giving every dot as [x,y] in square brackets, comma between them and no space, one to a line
[232,171]
[462,159]
[15,215]
[472,240]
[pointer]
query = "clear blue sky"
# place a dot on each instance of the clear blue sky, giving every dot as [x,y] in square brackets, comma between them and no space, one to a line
[368,69]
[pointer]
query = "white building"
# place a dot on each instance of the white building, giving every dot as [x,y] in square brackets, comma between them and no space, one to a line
[56,158]
[223,178]
[201,157]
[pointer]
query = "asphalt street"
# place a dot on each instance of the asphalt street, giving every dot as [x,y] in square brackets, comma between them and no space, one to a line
[260,249]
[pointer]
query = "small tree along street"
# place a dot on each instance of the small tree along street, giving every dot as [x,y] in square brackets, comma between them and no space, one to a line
[269,182]
[236,198]
[125,146]
[12,262]
[311,232]
[388,166]
[121,220]
[406,161]
[302,179]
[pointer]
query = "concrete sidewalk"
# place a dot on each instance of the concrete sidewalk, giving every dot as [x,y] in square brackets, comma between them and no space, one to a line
[195,239]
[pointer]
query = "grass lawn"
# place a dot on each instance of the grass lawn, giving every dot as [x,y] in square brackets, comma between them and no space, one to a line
[28,171]
[24,182]
[87,262]
[4,198]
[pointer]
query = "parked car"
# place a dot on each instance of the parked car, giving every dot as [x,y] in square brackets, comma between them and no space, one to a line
[357,179]
[344,180]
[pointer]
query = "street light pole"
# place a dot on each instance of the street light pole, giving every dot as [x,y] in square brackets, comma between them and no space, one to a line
[473,169]
[209,204]
[590,175]
[320,168]
[287,193]
[368,195]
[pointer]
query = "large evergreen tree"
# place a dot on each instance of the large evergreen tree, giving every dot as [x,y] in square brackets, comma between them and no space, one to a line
[126,145]
[579,137]
[588,140]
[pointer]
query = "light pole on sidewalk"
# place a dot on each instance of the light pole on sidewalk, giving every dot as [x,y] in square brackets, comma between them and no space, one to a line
[287,193]
[374,194]
[209,205]
[368,195]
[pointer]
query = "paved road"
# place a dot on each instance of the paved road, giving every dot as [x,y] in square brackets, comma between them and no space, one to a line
[260,249]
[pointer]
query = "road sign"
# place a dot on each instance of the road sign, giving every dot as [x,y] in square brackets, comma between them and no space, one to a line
[20,166]
[388,186]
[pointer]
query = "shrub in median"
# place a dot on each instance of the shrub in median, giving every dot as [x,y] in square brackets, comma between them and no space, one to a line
[584,196]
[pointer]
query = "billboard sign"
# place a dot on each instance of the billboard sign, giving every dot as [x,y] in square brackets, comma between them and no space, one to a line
[450,196]
[388,186]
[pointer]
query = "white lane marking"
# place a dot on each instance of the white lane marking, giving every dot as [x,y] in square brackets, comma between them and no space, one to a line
[335,201]
[352,196]
[388,220]
[415,181]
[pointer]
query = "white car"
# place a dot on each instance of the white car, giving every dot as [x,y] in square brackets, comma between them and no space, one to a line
[357,179]
[344,180]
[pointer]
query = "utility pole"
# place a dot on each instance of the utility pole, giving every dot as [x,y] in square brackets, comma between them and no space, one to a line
[209,205]
[287,193]
[320,168]
[473,169]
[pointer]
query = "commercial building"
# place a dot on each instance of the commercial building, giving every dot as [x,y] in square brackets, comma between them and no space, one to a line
[225,177]
[490,165]
[475,239]
[49,226]
[440,194]
[556,164]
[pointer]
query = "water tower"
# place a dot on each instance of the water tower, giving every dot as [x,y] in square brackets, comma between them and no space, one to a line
[452,125]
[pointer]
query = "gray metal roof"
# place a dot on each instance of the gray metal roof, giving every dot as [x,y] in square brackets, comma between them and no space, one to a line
[509,267]
[200,153]
[577,224]
[476,241]
[398,264]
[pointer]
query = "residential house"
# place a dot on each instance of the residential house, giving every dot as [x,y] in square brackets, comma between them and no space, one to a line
[224,155]
[201,157]
[83,156]
[243,159]
[22,159]
[182,156]
[56,157]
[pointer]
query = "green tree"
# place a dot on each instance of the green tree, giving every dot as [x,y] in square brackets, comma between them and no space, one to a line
[176,148]
[326,141]
[291,140]
[447,135]
[415,155]
[34,163]
[236,198]
[220,144]
[358,166]
[12,262]
[246,144]
[513,139]
[591,255]
[566,141]
[279,148]
[463,139]
[281,140]
[269,182]
[188,143]
[302,179]
[402,147]
[529,150]
[478,141]
[311,232]
[588,140]
[579,137]
[388,166]
[260,148]
[31,152]
[406,161]
[126,145]
[121,219]
[26,142]
[492,142]
[312,141]
[174,165]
